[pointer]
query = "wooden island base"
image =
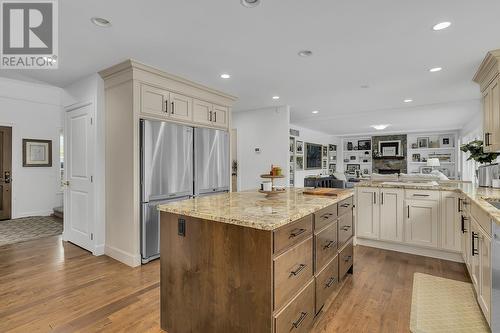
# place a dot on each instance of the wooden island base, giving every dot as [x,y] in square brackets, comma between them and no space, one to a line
[221,277]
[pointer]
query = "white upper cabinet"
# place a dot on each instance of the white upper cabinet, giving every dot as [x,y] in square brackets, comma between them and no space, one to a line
[154,101]
[202,112]
[421,222]
[220,116]
[368,213]
[391,214]
[181,107]
[451,228]
[487,76]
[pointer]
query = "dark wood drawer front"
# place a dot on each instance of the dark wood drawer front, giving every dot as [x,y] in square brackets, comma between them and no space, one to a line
[298,315]
[292,233]
[345,228]
[292,270]
[326,246]
[346,259]
[345,206]
[326,282]
[325,216]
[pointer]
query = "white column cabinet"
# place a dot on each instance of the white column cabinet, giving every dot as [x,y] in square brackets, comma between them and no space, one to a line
[368,212]
[421,222]
[450,222]
[391,214]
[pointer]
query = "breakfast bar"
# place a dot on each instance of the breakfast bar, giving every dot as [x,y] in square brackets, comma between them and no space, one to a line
[247,262]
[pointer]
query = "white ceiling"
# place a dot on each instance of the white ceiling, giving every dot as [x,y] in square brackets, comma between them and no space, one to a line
[387,44]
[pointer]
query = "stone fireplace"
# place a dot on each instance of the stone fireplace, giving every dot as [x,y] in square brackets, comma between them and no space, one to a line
[389,164]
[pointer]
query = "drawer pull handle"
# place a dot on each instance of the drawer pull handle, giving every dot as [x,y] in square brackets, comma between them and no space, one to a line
[299,321]
[347,258]
[475,235]
[329,245]
[421,195]
[345,205]
[296,232]
[346,227]
[298,270]
[330,282]
[327,215]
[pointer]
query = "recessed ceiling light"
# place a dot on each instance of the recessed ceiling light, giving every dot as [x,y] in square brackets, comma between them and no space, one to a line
[380,127]
[276,97]
[250,3]
[100,22]
[408,100]
[305,53]
[225,76]
[435,69]
[441,26]
[315,112]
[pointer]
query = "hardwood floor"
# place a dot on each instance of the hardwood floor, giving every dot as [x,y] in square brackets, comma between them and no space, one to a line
[47,285]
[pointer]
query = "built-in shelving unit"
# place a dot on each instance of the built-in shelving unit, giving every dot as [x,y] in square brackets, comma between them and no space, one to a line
[292,161]
[355,158]
[444,146]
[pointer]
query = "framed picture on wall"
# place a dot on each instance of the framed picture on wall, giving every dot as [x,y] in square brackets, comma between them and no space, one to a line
[37,153]
[446,141]
[352,167]
[299,147]
[299,163]
[423,142]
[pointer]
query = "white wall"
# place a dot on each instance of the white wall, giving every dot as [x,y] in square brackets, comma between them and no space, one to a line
[267,129]
[91,89]
[34,112]
[312,136]
[472,130]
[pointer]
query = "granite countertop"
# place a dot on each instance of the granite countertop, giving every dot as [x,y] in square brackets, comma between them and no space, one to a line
[253,209]
[478,195]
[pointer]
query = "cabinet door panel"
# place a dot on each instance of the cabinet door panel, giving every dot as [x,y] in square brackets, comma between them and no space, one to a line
[450,222]
[494,138]
[181,107]
[154,100]
[465,242]
[474,259]
[367,216]
[485,282]
[422,222]
[391,214]
[220,116]
[202,112]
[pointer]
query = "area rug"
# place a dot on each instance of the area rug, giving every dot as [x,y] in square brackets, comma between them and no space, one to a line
[444,305]
[28,228]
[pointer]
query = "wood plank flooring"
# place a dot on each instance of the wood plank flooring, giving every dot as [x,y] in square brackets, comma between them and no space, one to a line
[48,285]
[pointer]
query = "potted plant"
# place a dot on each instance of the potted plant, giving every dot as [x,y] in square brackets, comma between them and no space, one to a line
[486,172]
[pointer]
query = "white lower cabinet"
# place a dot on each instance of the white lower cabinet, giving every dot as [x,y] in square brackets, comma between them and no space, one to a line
[451,232]
[474,259]
[368,210]
[485,278]
[391,214]
[465,241]
[421,223]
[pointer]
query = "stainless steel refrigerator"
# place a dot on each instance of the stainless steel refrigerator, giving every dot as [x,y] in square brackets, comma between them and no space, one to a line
[177,162]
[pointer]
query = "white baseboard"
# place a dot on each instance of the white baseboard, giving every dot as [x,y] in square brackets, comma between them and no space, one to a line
[420,251]
[30,214]
[99,250]
[122,256]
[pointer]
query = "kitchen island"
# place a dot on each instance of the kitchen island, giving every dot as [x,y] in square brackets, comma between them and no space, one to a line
[244,262]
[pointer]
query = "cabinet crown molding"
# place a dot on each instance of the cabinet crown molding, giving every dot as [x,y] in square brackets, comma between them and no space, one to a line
[488,70]
[134,65]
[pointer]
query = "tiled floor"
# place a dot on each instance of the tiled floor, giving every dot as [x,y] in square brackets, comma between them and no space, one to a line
[29,228]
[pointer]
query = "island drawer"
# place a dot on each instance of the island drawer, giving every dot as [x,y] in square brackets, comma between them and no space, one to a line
[326,282]
[326,246]
[481,217]
[346,258]
[422,194]
[345,206]
[298,315]
[325,216]
[292,270]
[292,233]
[345,228]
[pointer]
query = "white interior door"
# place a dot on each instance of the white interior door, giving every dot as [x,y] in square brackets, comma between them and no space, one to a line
[79,190]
